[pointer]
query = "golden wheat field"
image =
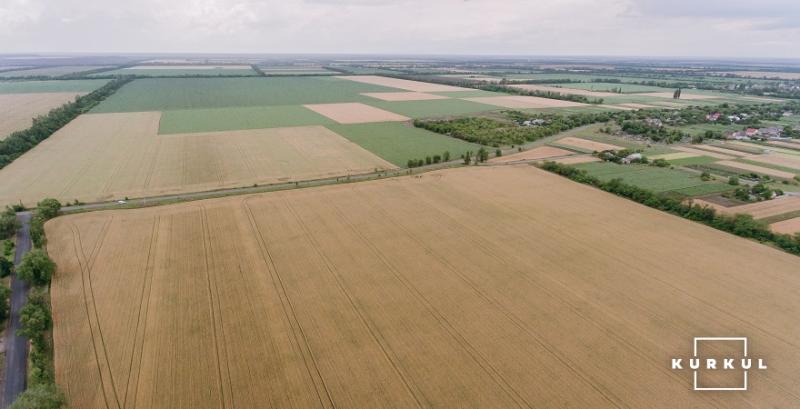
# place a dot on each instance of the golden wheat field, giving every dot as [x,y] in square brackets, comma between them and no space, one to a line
[108,156]
[491,287]
[18,110]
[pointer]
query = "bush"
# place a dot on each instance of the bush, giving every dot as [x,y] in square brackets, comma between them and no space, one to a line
[48,208]
[46,396]
[8,224]
[5,295]
[37,231]
[733,180]
[6,267]
[36,268]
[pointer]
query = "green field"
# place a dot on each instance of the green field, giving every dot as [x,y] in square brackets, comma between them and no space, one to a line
[24,87]
[654,178]
[237,118]
[161,94]
[697,160]
[399,142]
[168,72]
[433,108]
[699,129]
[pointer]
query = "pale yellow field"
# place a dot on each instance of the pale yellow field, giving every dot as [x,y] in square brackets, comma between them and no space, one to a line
[791,226]
[676,155]
[403,96]
[491,287]
[519,101]
[703,152]
[758,210]
[576,159]
[109,156]
[638,106]
[408,85]
[723,151]
[541,152]
[683,95]
[757,169]
[788,144]
[564,90]
[18,110]
[587,144]
[780,159]
[355,113]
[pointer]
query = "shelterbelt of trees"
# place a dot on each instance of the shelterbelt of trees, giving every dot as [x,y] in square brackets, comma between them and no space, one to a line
[22,141]
[741,224]
[499,132]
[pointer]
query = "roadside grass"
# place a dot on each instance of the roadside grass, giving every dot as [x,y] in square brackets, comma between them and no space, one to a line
[238,118]
[398,142]
[653,178]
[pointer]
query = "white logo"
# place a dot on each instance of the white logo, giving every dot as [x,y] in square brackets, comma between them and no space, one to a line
[697,364]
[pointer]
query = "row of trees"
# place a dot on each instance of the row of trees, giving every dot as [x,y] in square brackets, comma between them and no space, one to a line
[22,141]
[36,319]
[429,160]
[741,224]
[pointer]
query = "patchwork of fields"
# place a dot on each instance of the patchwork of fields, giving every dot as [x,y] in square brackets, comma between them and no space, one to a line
[491,286]
[109,156]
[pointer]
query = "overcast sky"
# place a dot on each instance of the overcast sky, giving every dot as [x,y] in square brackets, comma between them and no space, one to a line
[705,28]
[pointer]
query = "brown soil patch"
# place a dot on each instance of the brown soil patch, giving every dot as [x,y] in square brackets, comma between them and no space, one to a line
[541,152]
[18,110]
[757,169]
[519,101]
[564,90]
[791,226]
[458,288]
[416,86]
[355,113]
[588,144]
[574,160]
[767,208]
[109,156]
[403,96]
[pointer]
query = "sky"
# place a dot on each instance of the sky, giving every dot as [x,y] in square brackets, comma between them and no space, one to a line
[692,28]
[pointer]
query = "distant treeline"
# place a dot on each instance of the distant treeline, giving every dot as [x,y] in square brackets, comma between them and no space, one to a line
[22,141]
[741,224]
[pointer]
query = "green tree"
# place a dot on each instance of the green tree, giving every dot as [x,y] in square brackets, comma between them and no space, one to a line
[498,152]
[733,180]
[677,94]
[8,225]
[468,157]
[37,231]
[40,397]
[34,319]
[482,155]
[6,267]
[36,267]
[48,208]
[446,156]
[5,294]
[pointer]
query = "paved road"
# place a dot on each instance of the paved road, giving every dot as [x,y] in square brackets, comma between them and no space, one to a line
[16,369]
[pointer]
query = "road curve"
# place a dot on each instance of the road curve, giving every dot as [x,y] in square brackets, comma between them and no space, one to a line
[16,370]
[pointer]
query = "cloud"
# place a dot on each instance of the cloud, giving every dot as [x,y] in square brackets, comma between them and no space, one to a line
[542,27]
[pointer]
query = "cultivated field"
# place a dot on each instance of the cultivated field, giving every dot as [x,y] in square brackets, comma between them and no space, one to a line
[18,110]
[686,96]
[654,178]
[778,159]
[354,113]
[518,101]
[564,90]
[541,152]
[415,86]
[73,86]
[182,70]
[476,287]
[760,210]
[51,71]
[757,169]
[403,96]
[109,156]
[790,226]
[586,144]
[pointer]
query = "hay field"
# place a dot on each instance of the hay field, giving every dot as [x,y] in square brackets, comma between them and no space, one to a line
[587,144]
[540,152]
[518,101]
[403,96]
[779,159]
[686,96]
[408,85]
[355,113]
[564,90]
[100,157]
[759,210]
[475,287]
[704,152]
[18,110]
[790,226]
[757,169]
